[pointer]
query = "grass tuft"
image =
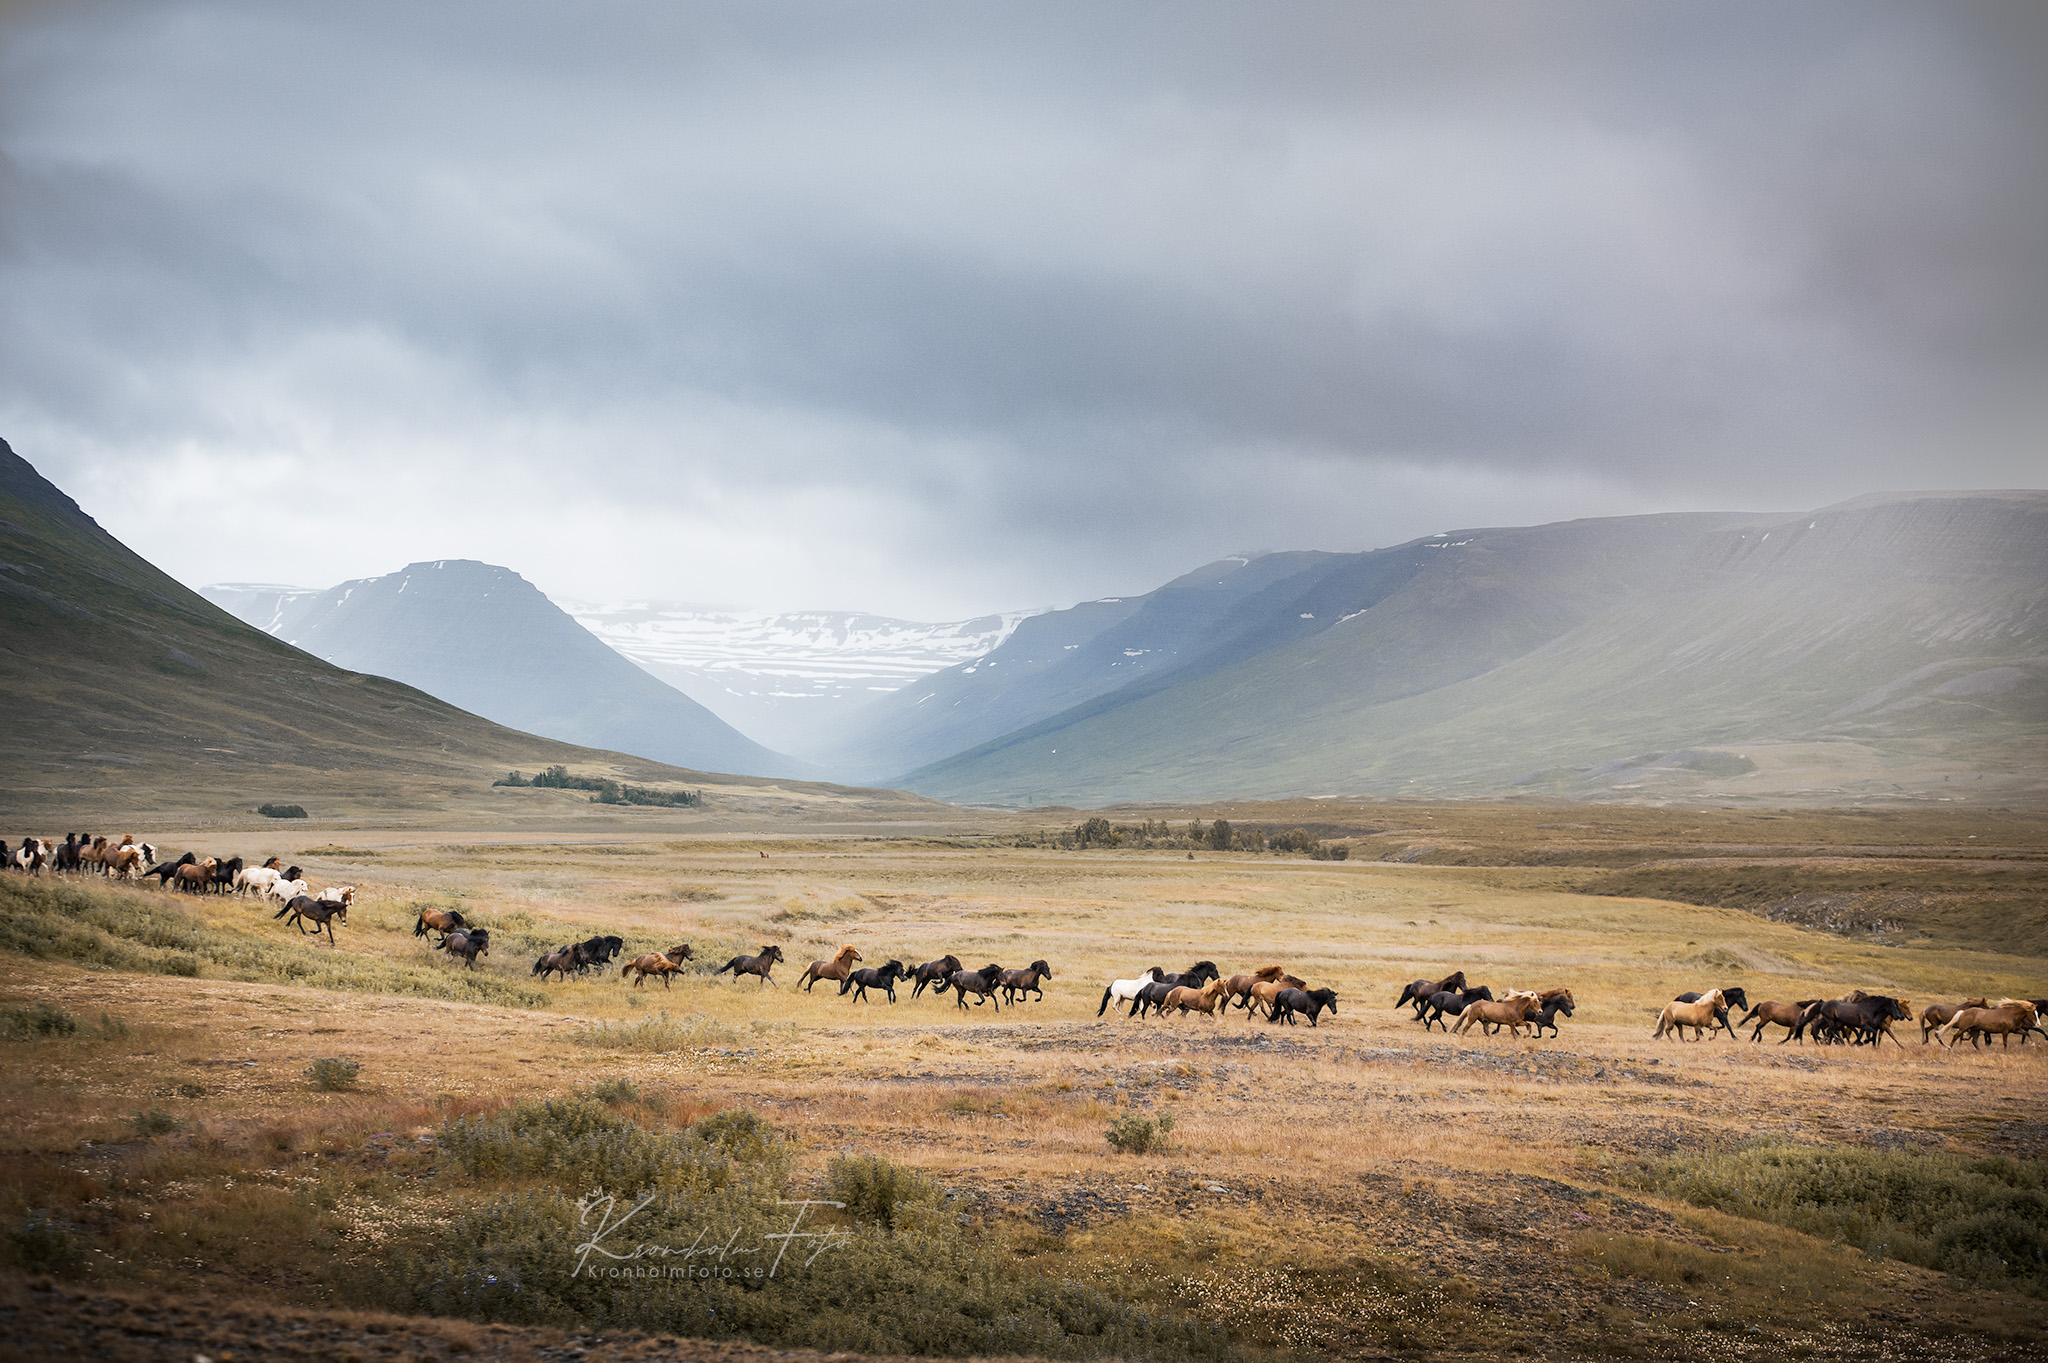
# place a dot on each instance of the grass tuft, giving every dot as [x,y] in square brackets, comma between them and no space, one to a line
[331,1074]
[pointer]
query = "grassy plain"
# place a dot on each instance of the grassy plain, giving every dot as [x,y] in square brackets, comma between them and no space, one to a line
[1359,1189]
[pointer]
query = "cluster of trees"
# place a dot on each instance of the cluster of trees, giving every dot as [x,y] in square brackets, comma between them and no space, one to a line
[606,791]
[1220,836]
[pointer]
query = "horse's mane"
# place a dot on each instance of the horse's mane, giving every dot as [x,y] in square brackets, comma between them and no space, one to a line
[845,952]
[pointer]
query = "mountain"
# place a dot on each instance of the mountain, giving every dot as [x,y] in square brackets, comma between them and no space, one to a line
[791,679]
[1894,646]
[130,696]
[484,638]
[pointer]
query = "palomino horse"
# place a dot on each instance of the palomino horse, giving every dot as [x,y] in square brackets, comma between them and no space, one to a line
[1699,1015]
[934,974]
[770,957]
[1126,991]
[665,964]
[836,969]
[1453,1002]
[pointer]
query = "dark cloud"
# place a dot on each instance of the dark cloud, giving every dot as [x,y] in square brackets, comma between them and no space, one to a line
[943,308]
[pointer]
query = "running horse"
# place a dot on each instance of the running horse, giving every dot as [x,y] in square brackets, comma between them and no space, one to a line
[770,957]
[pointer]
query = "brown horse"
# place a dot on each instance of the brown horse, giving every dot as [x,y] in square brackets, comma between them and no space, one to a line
[770,957]
[1238,988]
[2010,1016]
[194,876]
[1937,1015]
[836,969]
[665,964]
[321,914]
[1203,1000]
[1699,1016]
[1026,981]
[1786,1015]
[468,943]
[1260,1001]
[1420,992]
[1510,1012]
[443,921]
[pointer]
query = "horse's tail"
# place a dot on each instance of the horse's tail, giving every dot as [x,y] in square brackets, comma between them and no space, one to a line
[281,912]
[727,966]
[1106,992]
[845,985]
[419,927]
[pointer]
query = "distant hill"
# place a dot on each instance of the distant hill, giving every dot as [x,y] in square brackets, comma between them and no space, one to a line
[789,679]
[1889,647]
[128,692]
[484,638]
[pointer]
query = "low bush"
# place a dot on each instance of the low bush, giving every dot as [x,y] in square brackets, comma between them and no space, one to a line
[331,1074]
[1137,1135]
[30,1024]
[282,811]
[692,1234]
[38,1244]
[871,1188]
[154,1122]
[1983,1218]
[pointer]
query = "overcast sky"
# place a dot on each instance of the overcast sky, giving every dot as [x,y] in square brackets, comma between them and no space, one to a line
[942,309]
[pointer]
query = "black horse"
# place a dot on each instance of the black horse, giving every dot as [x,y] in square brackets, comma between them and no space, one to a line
[1154,994]
[982,983]
[1546,1016]
[1419,992]
[321,913]
[1452,1002]
[597,951]
[934,974]
[880,977]
[770,957]
[163,871]
[468,943]
[1311,1002]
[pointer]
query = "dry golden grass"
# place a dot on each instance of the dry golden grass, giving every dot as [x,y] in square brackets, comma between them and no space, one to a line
[1379,1189]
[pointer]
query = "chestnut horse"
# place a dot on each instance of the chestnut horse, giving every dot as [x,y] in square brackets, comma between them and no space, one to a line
[1203,1000]
[438,920]
[1260,1000]
[1238,988]
[664,964]
[836,969]
[1786,1015]
[2010,1016]
[1511,1012]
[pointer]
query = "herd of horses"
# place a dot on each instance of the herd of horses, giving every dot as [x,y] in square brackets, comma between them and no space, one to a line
[1268,992]
[88,854]
[992,981]
[1857,1018]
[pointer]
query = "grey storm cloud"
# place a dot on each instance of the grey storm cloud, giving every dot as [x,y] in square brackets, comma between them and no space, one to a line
[943,308]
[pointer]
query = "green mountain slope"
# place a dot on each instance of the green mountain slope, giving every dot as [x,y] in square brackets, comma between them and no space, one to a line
[126,691]
[1886,647]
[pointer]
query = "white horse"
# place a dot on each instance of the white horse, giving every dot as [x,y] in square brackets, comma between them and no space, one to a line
[344,895]
[31,856]
[257,878]
[284,891]
[1126,991]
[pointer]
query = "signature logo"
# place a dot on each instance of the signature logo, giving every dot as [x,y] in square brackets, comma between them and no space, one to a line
[599,1215]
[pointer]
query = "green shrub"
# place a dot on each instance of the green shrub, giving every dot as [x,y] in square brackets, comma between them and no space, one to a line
[619,1090]
[31,1024]
[155,1122]
[331,1074]
[282,811]
[877,1190]
[665,1033]
[1979,1218]
[714,1204]
[1136,1135]
[38,1244]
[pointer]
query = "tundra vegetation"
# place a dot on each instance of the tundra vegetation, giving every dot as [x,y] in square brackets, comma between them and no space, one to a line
[1041,1181]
